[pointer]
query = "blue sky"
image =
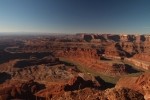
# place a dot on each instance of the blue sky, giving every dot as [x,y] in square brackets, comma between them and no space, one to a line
[73,16]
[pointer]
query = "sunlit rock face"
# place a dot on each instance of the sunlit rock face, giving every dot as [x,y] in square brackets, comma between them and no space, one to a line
[140,84]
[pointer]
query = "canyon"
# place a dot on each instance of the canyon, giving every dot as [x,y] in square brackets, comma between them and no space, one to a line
[75,67]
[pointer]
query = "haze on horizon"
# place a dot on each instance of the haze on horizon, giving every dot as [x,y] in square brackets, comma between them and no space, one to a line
[74,16]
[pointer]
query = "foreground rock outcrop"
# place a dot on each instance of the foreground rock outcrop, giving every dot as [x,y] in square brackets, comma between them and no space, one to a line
[140,84]
[92,94]
[80,89]
[20,90]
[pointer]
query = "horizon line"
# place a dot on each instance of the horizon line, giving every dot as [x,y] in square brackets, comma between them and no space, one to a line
[70,33]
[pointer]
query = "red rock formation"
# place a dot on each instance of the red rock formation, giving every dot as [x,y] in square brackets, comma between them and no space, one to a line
[78,83]
[112,51]
[20,90]
[124,37]
[89,94]
[62,80]
[142,57]
[147,38]
[140,84]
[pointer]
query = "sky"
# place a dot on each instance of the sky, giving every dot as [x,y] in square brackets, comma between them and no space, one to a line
[75,16]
